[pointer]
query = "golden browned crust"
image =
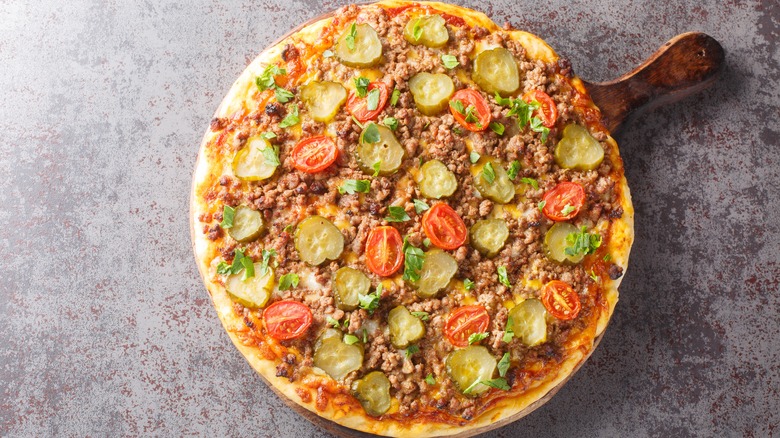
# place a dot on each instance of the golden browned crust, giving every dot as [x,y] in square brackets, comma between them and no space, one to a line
[303,394]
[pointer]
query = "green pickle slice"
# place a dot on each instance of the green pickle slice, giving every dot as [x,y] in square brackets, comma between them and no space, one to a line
[361,49]
[248,225]
[405,328]
[437,270]
[555,243]
[431,31]
[323,99]
[436,180]
[468,366]
[431,92]
[488,236]
[253,292]
[388,152]
[495,71]
[348,284]
[529,322]
[373,392]
[317,240]
[577,149]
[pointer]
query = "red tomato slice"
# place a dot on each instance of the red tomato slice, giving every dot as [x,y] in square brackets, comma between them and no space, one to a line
[464,322]
[561,300]
[314,154]
[287,319]
[471,99]
[547,111]
[444,227]
[358,106]
[564,201]
[384,251]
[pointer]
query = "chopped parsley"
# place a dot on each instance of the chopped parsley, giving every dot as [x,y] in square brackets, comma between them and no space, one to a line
[450,61]
[352,186]
[249,268]
[427,242]
[361,86]
[351,339]
[267,79]
[537,126]
[524,110]
[371,133]
[413,261]
[499,383]
[282,95]
[514,169]
[476,337]
[370,302]
[468,284]
[267,254]
[488,173]
[509,333]
[457,131]
[607,258]
[377,166]
[582,242]
[240,263]
[503,277]
[417,30]
[270,156]
[474,157]
[568,208]
[291,119]
[532,182]
[350,38]
[410,350]
[357,122]
[503,365]
[593,275]
[228,214]
[268,135]
[372,101]
[394,97]
[496,127]
[420,206]
[288,281]
[396,214]
[423,316]
[333,322]
[390,122]
[541,205]
[429,379]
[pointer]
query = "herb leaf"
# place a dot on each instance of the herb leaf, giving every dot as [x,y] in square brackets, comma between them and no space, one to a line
[582,243]
[268,135]
[269,156]
[371,133]
[513,170]
[373,99]
[351,339]
[509,333]
[333,322]
[410,350]
[394,97]
[541,205]
[266,79]
[458,106]
[476,337]
[350,39]
[390,122]
[352,186]
[568,208]
[291,119]
[376,166]
[468,284]
[420,206]
[361,86]
[474,157]
[282,95]
[531,181]
[396,214]
[249,268]
[488,173]
[430,380]
[497,127]
[228,214]
[267,254]
[503,364]
[370,302]
[290,280]
[503,277]
[537,126]
[423,316]
[499,383]
[413,261]
[450,61]
[417,30]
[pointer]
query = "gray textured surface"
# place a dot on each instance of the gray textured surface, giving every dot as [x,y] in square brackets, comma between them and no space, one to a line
[107,330]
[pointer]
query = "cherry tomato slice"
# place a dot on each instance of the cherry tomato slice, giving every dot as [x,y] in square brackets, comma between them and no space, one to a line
[564,201]
[358,106]
[286,320]
[314,154]
[384,251]
[561,300]
[471,100]
[444,227]
[464,322]
[547,111]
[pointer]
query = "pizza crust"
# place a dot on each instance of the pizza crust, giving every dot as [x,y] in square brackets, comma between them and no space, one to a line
[302,396]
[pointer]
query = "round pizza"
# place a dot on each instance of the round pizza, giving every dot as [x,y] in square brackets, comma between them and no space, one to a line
[411,221]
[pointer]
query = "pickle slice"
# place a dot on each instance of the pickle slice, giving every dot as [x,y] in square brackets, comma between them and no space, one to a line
[501,190]
[348,284]
[495,71]
[431,92]
[436,181]
[336,358]
[252,292]
[387,151]
[405,328]
[359,48]
[489,235]
[430,30]
[529,322]
[317,240]
[437,270]
[250,163]
[555,243]
[248,225]
[469,366]
[323,99]
[373,392]
[578,149]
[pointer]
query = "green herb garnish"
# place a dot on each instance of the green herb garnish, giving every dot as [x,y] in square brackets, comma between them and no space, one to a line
[350,38]
[288,281]
[396,214]
[503,277]
[582,243]
[420,206]
[413,261]
[410,350]
[531,181]
[361,86]
[503,365]
[291,119]
[514,169]
[468,284]
[372,101]
[394,97]
[476,337]
[352,186]
[450,61]
[509,333]
[474,157]
[371,133]
[351,339]
[488,173]
[496,127]
[228,214]
[423,316]
[390,122]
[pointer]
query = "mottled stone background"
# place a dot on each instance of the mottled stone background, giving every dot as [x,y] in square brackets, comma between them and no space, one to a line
[106,329]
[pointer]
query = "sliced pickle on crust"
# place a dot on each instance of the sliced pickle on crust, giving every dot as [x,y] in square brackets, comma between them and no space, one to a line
[373,393]
[436,180]
[529,322]
[555,243]
[437,270]
[337,358]
[317,240]
[387,151]
[501,190]
[405,328]
[250,163]
[495,71]
[430,30]
[323,99]
[361,48]
[348,284]
[578,149]
[489,235]
[431,92]
[469,366]
[253,292]
[248,225]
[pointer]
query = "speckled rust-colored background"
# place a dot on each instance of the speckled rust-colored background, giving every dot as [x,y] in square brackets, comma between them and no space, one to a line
[106,329]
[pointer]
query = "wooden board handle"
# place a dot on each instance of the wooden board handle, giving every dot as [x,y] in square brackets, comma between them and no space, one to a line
[686,64]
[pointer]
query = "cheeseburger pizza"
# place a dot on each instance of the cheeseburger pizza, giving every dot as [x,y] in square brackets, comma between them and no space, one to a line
[411,221]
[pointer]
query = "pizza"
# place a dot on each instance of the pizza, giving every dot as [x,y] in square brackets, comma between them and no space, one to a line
[411,221]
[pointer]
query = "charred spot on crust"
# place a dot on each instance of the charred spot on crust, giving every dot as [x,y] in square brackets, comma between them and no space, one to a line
[616,213]
[218,123]
[615,271]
